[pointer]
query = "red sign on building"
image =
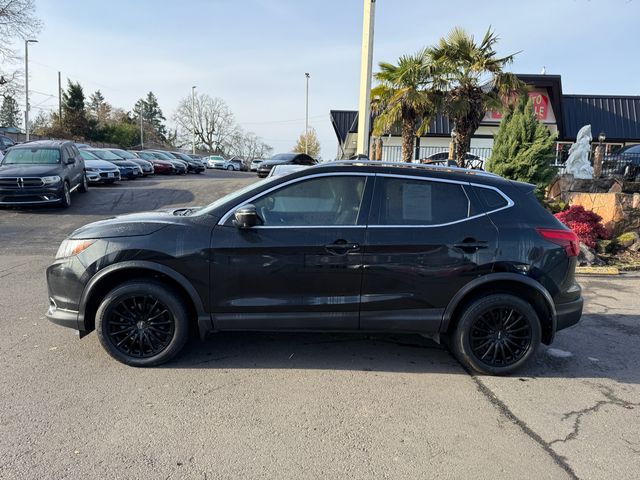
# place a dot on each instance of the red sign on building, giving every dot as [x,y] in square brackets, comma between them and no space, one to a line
[540,102]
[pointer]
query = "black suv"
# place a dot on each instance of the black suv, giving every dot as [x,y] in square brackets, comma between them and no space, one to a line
[46,171]
[461,255]
[284,159]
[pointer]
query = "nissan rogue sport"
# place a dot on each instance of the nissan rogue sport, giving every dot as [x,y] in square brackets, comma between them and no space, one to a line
[464,256]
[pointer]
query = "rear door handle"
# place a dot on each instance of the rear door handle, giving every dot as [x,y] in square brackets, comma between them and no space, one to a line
[341,247]
[471,244]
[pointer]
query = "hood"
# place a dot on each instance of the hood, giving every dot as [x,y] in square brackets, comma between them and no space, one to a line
[99,164]
[273,163]
[29,170]
[123,163]
[132,225]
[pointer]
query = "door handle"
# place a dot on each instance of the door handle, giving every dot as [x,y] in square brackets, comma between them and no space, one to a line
[341,247]
[471,244]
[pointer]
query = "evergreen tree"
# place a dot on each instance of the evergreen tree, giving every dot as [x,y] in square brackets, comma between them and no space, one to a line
[523,148]
[74,115]
[9,112]
[99,108]
[152,116]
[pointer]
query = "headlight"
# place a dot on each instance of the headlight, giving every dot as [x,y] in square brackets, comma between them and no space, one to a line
[50,180]
[71,248]
[92,169]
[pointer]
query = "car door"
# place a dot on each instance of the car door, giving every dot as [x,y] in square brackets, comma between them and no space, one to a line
[78,166]
[302,268]
[424,242]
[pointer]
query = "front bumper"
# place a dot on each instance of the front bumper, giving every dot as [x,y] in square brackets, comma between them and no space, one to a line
[103,176]
[31,195]
[568,314]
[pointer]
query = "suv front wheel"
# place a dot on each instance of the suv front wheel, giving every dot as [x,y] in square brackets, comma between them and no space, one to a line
[142,323]
[496,335]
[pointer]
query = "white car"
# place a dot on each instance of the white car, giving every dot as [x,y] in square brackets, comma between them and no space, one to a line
[280,170]
[255,164]
[216,161]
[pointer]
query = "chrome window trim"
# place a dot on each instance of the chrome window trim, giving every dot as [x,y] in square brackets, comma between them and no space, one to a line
[510,202]
[230,212]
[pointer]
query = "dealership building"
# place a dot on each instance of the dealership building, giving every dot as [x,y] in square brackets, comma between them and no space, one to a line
[616,116]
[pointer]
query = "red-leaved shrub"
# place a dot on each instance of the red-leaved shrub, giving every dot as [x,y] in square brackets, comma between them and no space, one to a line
[586,224]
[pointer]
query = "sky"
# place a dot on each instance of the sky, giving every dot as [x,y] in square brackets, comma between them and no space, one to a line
[254,53]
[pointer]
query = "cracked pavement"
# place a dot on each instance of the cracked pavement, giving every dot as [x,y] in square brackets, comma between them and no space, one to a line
[300,406]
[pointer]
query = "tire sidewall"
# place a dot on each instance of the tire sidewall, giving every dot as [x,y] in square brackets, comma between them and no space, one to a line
[460,342]
[170,300]
[66,195]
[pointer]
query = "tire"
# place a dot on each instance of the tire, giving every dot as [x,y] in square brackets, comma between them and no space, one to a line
[66,195]
[230,167]
[135,308]
[84,186]
[481,342]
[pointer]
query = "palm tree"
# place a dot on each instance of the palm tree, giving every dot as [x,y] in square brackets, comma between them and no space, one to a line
[404,98]
[472,82]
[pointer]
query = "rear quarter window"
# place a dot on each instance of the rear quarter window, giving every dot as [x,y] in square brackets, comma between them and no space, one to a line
[489,199]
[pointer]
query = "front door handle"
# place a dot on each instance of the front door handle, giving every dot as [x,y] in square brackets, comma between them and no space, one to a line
[341,247]
[471,244]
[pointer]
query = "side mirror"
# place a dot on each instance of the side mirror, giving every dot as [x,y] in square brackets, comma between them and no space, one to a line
[71,161]
[246,217]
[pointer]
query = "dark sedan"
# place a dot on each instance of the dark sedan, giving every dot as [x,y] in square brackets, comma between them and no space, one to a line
[147,167]
[284,159]
[179,165]
[193,165]
[625,163]
[161,167]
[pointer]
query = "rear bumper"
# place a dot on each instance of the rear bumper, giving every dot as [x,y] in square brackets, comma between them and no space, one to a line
[568,314]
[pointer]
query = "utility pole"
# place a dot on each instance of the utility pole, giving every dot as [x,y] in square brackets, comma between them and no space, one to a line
[141,130]
[366,64]
[26,87]
[59,98]
[193,119]
[306,118]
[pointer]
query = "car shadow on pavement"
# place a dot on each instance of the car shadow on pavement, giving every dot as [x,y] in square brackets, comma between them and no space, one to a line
[330,351]
[112,200]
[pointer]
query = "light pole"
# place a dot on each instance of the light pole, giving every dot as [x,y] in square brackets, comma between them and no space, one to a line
[141,131]
[193,119]
[306,117]
[26,86]
[364,108]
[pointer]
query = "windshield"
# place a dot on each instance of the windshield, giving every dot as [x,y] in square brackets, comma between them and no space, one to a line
[169,155]
[124,154]
[105,155]
[146,156]
[232,195]
[161,156]
[182,156]
[32,156]
[87,155]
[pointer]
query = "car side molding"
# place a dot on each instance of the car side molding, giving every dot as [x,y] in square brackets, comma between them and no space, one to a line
[498,277]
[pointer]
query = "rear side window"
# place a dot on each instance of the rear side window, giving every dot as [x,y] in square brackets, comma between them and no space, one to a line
[420,202]
[489,199]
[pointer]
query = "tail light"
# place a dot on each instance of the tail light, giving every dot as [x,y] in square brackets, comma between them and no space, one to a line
[565,238]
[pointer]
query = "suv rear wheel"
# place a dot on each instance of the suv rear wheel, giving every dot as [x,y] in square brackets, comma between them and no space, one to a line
[142,323]
[496,334]
[84,185]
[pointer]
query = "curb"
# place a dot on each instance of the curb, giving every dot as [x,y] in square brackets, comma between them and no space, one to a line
[597,271]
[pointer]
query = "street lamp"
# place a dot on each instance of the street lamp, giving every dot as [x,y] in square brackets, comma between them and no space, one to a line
[193,119]
[26,86]
[306,117]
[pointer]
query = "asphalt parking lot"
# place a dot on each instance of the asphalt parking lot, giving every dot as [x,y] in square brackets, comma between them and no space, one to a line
[299,406]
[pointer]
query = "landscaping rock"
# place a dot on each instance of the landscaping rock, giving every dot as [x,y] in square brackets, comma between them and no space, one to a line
[607,246]
[627,239]
[635,247]
[588,256]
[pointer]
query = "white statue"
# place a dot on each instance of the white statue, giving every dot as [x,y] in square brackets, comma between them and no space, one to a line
[578,162]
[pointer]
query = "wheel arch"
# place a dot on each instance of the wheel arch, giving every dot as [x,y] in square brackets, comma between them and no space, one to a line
[511,283]
[110,277]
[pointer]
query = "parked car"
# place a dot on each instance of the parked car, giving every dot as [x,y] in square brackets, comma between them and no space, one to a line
[625,163]
[99,171]
[180,165]
[5,143]
[193,165]
[255,164]
[162,167]
[342,246]
[217,161]
[147,167]
[284,159]
[127,168]
[42,172]
[195,156]
[474,161]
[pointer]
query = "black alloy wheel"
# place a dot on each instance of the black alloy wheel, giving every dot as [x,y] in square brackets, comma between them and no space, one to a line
[66,195]
[142,323]
[496,334]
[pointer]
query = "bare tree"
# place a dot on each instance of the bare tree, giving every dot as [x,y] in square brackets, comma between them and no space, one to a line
[215,125]
[249,146]
[17,21]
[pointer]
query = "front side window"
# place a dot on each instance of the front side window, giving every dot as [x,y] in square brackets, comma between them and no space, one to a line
[323,201]
[420,202]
